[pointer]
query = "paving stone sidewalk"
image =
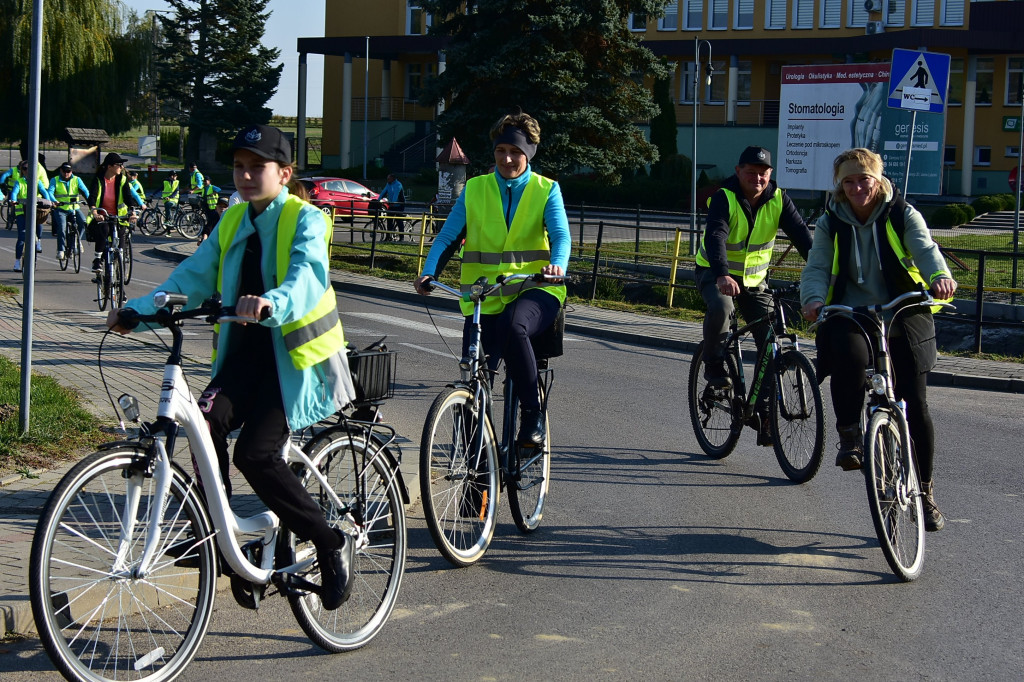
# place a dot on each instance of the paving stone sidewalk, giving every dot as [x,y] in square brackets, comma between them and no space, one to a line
[65,346]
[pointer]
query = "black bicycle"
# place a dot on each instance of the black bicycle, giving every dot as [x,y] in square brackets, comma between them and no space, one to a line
[795,415]
[110,279]
[462,465]
[72,244]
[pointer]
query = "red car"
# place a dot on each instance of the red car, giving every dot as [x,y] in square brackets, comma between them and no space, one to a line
[339,196]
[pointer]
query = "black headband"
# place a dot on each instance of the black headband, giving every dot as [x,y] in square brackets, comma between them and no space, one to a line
[515,136]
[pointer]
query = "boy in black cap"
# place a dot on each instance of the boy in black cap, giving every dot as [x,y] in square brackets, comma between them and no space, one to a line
[278,373]
[735,253]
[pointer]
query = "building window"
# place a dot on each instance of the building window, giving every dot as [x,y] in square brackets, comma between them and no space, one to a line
[1014,74]
[858,15]
[952,12]
[983,156]
[743,80]
[775,14]
[719,14]
[716,92]
[803,13]
[949,155]
[1013,152]
[686,84]
[924,13]
[670,22]
[985,81]
[831,13]
[955,97]
[744,14]
[415,77]
[417,21]
[637,22]
[895,14]
[694,13]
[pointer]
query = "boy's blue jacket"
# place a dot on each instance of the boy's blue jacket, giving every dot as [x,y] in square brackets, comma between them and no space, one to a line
[309,395]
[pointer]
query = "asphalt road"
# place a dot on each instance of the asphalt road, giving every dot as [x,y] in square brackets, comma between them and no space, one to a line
[655,562]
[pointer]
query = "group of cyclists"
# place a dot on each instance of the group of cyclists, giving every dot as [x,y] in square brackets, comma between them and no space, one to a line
[113,188]
[268,257]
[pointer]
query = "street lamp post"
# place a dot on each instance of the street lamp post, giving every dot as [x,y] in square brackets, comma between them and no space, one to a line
[1016,191]
[709,69]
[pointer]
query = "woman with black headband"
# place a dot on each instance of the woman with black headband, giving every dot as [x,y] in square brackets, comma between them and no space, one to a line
[514,222]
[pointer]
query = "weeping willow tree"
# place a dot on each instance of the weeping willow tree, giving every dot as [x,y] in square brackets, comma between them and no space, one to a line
[95,58]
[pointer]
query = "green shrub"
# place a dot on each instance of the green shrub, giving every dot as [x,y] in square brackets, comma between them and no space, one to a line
[987,204]
[1007,202]
[951,215]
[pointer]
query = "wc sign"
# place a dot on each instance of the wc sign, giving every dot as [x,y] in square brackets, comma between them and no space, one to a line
[918,81]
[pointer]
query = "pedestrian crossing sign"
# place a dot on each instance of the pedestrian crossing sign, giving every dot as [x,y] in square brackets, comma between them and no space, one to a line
[918,80]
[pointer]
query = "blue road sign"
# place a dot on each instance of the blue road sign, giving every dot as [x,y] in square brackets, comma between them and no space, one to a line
[918,80]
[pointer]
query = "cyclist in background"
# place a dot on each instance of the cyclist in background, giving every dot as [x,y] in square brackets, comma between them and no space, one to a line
[394,194]
[65,189]
[110,190]
[133,182]
[169,195]
[210,194]
[514,222]
[873,246]
[195,179]
[735,252]
[283,373]
[19,195]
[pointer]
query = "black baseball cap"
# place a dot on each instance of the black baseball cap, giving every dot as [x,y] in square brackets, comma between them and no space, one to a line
[265,141]
[172,172]
[65,166]
[756,156]
[112,158]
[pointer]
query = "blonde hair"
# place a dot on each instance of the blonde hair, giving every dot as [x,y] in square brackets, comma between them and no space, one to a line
[858,161]
[297,189]
[524,122]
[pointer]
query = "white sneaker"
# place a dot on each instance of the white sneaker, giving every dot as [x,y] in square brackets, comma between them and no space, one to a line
[39,247]
[60,255]
[17,265]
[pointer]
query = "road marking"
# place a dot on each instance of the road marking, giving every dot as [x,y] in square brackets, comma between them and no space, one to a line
[428,350]
[407,324]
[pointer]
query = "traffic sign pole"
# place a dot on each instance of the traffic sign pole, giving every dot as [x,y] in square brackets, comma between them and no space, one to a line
[910,146]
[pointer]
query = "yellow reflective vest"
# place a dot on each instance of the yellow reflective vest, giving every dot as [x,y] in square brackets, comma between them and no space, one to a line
[170,193]
[748,252]
[493,249]
[318,334]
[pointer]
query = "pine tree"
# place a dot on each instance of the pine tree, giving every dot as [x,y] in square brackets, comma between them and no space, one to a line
[213,69]
[572,64]
[93,67]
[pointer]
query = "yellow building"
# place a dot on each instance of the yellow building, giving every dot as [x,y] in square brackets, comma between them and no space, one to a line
[370,108]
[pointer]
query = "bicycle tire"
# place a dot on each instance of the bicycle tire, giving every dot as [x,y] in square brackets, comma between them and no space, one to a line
[63,262]
[95,621]
[528,491]
[797,417]
[190,224]
[151,222]
[5,212]
[102,280]
[116,293]
[129,259]
[376,516]
[75,245]
[460,503]
[713,414]
[894,496]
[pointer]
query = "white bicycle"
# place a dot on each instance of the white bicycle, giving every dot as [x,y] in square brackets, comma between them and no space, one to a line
[125,558]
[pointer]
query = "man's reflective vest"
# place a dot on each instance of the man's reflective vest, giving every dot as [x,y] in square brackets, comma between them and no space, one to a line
[493,249]
[211,197]
[66,193]
[318,334]
[748,253]
[22,182]
[195,182]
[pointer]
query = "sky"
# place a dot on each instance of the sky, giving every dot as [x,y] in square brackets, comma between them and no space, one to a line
[285,25]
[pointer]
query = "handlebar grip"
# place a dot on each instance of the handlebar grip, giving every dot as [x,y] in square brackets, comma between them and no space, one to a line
[163,299]
[128,318]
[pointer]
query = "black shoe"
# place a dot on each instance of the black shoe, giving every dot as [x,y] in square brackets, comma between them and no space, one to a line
[531,429]
[933,518]
[716,375]
[851,448]
[336,573]
[764,433]
[97,265]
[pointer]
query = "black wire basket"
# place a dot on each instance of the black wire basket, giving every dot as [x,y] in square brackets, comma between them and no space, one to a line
[373,373]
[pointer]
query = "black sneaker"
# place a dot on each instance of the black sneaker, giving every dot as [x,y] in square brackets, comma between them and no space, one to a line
[851,448]
[531,428]
[716,374]
[97,265]
[336,573]
[933,518]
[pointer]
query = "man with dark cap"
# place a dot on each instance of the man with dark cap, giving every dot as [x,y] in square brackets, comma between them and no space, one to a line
[170,194]
[65,188]
[735,253]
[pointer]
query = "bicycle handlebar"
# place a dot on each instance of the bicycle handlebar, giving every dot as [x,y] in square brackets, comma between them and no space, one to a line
[481,288]
[165,316]
[924,296]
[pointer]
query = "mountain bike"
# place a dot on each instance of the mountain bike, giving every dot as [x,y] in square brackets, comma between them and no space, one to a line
[782,376]
[127,551]
[890,468]
[463,466]
[184,220]
[72,245]
[110,279]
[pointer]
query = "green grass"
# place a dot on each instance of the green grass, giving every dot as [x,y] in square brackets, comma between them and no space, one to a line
[59,427]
